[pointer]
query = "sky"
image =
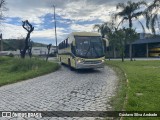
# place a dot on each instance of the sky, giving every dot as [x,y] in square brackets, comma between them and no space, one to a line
[71,16]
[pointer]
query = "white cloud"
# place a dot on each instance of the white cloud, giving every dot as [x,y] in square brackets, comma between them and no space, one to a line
[86,27]
[10,31]
[74,10]
[48,33]
[84,11]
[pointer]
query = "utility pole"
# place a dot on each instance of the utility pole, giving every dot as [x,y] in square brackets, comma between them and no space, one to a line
[55,27]
[1,42]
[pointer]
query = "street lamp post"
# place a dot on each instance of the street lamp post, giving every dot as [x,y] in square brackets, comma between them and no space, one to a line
[55,27]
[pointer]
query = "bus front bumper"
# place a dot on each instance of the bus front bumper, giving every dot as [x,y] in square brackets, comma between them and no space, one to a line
[88,66]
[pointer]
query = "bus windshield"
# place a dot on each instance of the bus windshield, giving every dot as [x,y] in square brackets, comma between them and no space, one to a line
[89,47]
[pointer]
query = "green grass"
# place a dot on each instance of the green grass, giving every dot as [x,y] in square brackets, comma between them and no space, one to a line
[143,89]
[118,100]
[15,69]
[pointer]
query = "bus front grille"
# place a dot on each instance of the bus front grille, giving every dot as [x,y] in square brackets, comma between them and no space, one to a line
[93,62]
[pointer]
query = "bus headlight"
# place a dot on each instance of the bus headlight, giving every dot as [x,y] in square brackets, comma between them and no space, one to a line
[102,60]
[79,60]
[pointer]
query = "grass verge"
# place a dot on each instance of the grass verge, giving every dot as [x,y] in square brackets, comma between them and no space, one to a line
[15,69]
[118,100]
[143,86]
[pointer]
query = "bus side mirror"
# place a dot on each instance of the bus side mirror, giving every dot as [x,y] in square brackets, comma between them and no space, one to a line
[73,48]
[73,43]
[106,42]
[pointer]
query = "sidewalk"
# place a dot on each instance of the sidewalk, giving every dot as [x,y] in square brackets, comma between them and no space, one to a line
[134,59]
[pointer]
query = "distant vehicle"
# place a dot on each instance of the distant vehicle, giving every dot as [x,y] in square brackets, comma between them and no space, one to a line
[83,50]
[154,52]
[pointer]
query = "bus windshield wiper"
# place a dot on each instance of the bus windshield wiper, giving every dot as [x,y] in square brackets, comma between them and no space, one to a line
[95,50]
[87,50]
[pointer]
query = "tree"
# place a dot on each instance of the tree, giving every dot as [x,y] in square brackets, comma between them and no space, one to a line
[121,41]
[103,28]
[152,13]
[2,8]
[29,28]
[30,48]
[48,48]
[1,42]
[112,41]
[118,39]
[20,44]
[131,35]
[128,12]
[121,37]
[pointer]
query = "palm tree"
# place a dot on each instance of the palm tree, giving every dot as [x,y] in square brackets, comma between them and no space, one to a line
[112,41]
[103,28]
[128,12]
[106,29]
[152,15]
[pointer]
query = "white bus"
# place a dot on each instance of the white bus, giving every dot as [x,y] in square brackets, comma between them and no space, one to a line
[82,50]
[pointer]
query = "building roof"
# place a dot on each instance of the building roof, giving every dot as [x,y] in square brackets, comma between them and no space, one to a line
[147,40]
[85,34]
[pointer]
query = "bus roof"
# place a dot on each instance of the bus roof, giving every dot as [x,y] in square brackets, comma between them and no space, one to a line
[85,34]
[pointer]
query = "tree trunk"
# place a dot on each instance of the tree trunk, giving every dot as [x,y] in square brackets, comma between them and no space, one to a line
[23,52]
[130,45]
[114,52]
[30,52]
[130,22]
[122,56]
[1,42]
[147,51]
[48,47]
[130,51]
[29,28]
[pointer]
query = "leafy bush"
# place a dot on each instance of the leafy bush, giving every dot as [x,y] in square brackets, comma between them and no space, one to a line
[28,64]
[15,69]
[11,55]
[52,55]
[3,59]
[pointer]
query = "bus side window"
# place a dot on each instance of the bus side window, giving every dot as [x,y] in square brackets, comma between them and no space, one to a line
[64,44]
[59,46]
[67,42]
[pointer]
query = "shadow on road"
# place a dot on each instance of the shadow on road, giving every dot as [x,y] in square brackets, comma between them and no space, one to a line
[87,71]
[83,71]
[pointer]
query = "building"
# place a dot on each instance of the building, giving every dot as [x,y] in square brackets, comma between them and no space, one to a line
[42,50]
[146,46]
[14,45]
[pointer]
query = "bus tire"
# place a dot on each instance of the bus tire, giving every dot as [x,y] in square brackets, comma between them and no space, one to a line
[69,64]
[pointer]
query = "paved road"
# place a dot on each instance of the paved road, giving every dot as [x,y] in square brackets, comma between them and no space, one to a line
[61,90]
